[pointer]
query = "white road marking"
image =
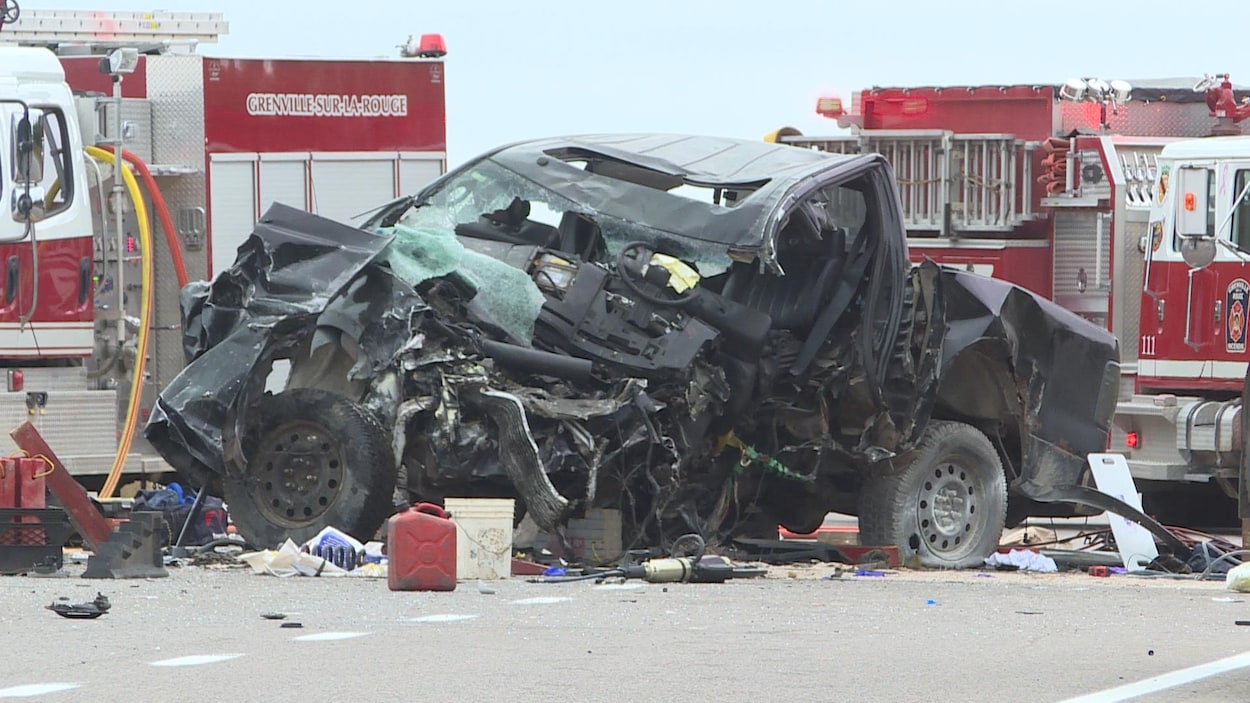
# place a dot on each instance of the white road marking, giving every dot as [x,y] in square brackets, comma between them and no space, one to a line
[329,636]
[550,600]
[1162,682]
[448,617]
[196,660]
[36,689]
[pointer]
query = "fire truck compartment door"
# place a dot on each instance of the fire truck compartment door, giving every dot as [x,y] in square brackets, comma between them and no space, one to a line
[232,206]
[284,179]
[347,184]
[416,172]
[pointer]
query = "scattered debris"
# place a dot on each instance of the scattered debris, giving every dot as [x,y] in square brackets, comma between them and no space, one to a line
[291,625]
[82,611]
[1023,560]
[213,558]
[273,616]
[1099,571]
[1238,578]
[484,589]
[1226,599]
[288,560]
[1029,612]
[293,560]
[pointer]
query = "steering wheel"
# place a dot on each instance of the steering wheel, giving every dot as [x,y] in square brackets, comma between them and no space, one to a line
[11,12]
[630,266]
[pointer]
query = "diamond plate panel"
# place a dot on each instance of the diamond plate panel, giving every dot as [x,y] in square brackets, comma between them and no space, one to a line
[176,91]
[1131,268]
[138,112]
[1139,119]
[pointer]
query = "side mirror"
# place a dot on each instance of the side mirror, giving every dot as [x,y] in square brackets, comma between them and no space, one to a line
[27,151]
[27,204]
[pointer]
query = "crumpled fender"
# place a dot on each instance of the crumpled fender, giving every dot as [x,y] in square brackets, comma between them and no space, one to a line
[1057,374]
[287,274]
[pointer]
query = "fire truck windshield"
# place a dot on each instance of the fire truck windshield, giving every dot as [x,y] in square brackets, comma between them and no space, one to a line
[1240,211]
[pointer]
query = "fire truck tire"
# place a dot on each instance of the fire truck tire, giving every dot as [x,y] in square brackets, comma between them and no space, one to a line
[943,504]
[315,459]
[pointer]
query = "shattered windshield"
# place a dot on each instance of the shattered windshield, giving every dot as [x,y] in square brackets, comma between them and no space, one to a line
[487,187]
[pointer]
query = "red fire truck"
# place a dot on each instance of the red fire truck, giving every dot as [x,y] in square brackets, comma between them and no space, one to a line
[1116,201]
[91,266]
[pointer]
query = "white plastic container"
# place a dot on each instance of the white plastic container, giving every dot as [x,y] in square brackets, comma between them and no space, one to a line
[483,537]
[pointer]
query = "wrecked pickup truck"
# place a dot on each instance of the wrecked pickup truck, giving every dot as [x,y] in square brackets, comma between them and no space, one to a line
[710,335]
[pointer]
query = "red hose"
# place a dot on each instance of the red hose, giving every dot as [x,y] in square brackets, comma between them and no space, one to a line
[162,211]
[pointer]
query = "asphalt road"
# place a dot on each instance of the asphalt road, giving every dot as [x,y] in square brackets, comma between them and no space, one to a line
[908,636]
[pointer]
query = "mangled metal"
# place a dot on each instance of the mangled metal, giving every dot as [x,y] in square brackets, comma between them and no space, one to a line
[712,336]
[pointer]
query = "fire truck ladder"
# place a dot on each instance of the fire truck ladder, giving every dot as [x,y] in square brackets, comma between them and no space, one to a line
[948,182]
[89,32]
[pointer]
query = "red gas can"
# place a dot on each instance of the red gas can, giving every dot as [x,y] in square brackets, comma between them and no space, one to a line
[421,550]
[32,485]
[8,482]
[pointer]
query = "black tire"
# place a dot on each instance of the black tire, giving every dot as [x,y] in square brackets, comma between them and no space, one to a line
[944,504]
[315,459]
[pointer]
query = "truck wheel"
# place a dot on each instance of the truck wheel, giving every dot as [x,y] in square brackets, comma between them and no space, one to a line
[315,459]
[943,504]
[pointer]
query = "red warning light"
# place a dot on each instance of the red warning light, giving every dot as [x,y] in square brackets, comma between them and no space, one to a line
[830,107]
[431,46]
[1132,440]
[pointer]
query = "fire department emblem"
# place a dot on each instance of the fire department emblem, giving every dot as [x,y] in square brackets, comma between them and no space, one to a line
[1236,299]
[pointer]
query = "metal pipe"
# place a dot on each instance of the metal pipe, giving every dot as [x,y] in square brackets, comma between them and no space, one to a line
[1099,244]
[1189,309]
[195,509]
[944,185]
[119,199]
[109,363]
[1006,197]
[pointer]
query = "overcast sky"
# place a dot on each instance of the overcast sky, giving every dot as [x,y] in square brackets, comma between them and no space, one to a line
[740,68]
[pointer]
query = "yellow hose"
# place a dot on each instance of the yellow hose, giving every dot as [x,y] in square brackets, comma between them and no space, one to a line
[145,313]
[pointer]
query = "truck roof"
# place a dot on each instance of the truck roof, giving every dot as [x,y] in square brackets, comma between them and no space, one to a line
[1208,148]
[30,64]
[636,166]
[706,160]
